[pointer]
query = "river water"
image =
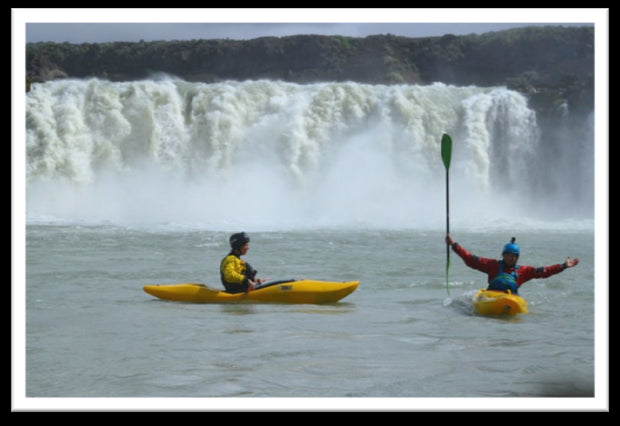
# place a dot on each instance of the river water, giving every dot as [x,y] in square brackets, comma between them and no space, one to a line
[93,333]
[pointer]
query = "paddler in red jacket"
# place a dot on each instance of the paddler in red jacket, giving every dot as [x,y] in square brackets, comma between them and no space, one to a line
[505,274]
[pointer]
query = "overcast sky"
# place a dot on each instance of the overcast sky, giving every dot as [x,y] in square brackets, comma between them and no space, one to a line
[103,25]
[104,32]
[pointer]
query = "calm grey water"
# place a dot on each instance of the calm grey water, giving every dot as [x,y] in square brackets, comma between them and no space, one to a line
[92,332]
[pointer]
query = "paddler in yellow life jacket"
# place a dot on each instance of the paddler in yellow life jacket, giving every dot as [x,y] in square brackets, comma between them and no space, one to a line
[236,274]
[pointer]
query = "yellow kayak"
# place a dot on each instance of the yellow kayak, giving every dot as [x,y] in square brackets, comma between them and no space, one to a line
[493,302]
[286,291]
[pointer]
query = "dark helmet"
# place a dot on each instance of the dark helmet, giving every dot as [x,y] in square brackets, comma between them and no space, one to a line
[511,247]
[238,240]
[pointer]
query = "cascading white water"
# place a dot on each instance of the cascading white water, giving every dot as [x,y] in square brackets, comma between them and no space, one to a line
[268,154]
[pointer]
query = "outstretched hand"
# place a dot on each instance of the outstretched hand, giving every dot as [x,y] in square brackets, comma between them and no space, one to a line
[449,240]
[571,262]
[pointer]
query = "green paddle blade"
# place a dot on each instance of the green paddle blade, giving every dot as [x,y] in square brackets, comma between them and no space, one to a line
[446,154]
[446,149]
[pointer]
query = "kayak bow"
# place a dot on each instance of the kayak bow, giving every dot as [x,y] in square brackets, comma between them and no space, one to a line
[493,302]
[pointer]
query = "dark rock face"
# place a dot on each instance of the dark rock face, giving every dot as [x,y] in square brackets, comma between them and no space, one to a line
[552,65]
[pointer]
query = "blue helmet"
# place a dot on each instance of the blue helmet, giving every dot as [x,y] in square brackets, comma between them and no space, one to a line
[511,247]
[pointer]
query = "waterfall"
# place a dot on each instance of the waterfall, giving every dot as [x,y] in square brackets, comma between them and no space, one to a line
[269,153]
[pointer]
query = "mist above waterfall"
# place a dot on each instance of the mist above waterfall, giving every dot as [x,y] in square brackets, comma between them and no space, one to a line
[270,155]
